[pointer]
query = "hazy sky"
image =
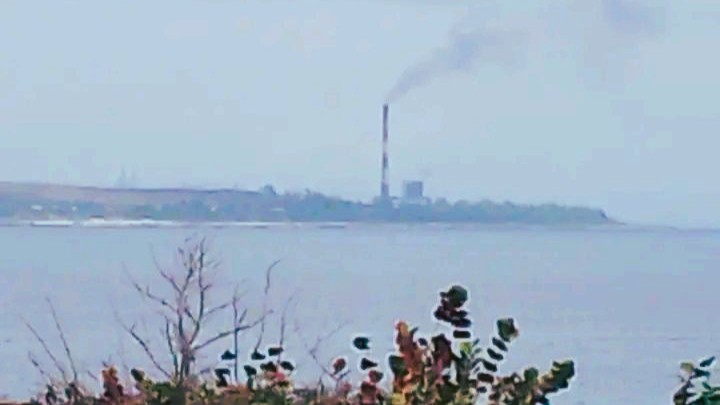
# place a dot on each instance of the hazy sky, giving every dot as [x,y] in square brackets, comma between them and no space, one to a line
[606,103]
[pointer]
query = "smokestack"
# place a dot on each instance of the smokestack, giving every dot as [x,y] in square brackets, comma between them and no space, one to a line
[384,185]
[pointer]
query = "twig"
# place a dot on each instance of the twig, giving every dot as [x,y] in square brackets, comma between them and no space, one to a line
[68,353]
[121,351]
[164,274]
[171,348]
[47,350]
[201,266]
[147,350]
[312,351]
[39,368]
[235,336]
[146,293]
[229,332]
[92,375]
[268,273]
[283,325]
[218,308]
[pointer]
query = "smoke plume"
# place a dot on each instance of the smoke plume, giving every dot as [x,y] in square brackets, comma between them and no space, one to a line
[617,24]
[461,54]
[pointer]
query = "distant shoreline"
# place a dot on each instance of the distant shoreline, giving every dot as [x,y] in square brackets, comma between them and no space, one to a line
[259,225]
[47,205]
[119,224]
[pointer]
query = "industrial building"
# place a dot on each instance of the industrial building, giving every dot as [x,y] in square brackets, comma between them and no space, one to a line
[413,193]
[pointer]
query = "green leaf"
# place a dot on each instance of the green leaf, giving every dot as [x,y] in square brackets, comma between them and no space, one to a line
[486,378]
[274,351]
[397,365]
[466,348]
[531,375]
[495,355]
[707,362]
[564,370]
[227,355]
[361,343]
[687,367]
[462,334]
[137,375]
[507,329]
[250,370]
[456,296]
[366,364]
[489,366]
[500,344]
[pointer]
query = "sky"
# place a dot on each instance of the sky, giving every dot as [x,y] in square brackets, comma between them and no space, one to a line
[604,103]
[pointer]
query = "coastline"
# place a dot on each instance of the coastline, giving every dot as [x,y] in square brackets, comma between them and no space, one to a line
[119,223]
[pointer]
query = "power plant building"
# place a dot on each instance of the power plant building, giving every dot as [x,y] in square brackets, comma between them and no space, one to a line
[413,193]
[412,190]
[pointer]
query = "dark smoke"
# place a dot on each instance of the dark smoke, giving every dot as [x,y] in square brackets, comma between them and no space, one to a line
[461,54]
[622,24]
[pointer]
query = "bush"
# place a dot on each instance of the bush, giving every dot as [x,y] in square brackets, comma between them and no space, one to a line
[440,369]
[695,386]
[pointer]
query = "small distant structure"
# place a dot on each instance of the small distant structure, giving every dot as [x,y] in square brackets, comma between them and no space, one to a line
[385,180]
[125,181]
[268,191]
[413,193]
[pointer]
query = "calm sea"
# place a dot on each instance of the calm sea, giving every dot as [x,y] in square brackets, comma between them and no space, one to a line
[628,306]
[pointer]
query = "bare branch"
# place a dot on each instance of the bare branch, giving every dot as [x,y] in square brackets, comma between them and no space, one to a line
[170,280]
[227,333]
[92,375]
[62,338]
[283,324]
[147,350]
[235,300]
[218,308]
[164,274]
[171,348]
[200,268]
[39,368]
[47,350]
[312,351]
[268,273]
[146,293]
[189,308]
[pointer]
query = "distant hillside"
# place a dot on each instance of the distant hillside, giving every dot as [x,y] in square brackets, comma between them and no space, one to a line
[22,201]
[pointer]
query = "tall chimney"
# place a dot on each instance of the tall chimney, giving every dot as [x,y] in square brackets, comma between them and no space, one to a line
[384,185]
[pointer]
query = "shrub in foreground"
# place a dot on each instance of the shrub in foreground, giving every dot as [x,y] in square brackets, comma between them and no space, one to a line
[696,388]
[447,368]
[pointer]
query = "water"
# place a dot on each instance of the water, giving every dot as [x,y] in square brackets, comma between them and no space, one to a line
[627,306]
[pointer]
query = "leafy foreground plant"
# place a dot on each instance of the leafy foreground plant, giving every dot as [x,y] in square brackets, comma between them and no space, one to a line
[433,370]
[430,371]
[696,388]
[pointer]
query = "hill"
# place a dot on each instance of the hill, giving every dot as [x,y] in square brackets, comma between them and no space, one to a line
[26,201]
